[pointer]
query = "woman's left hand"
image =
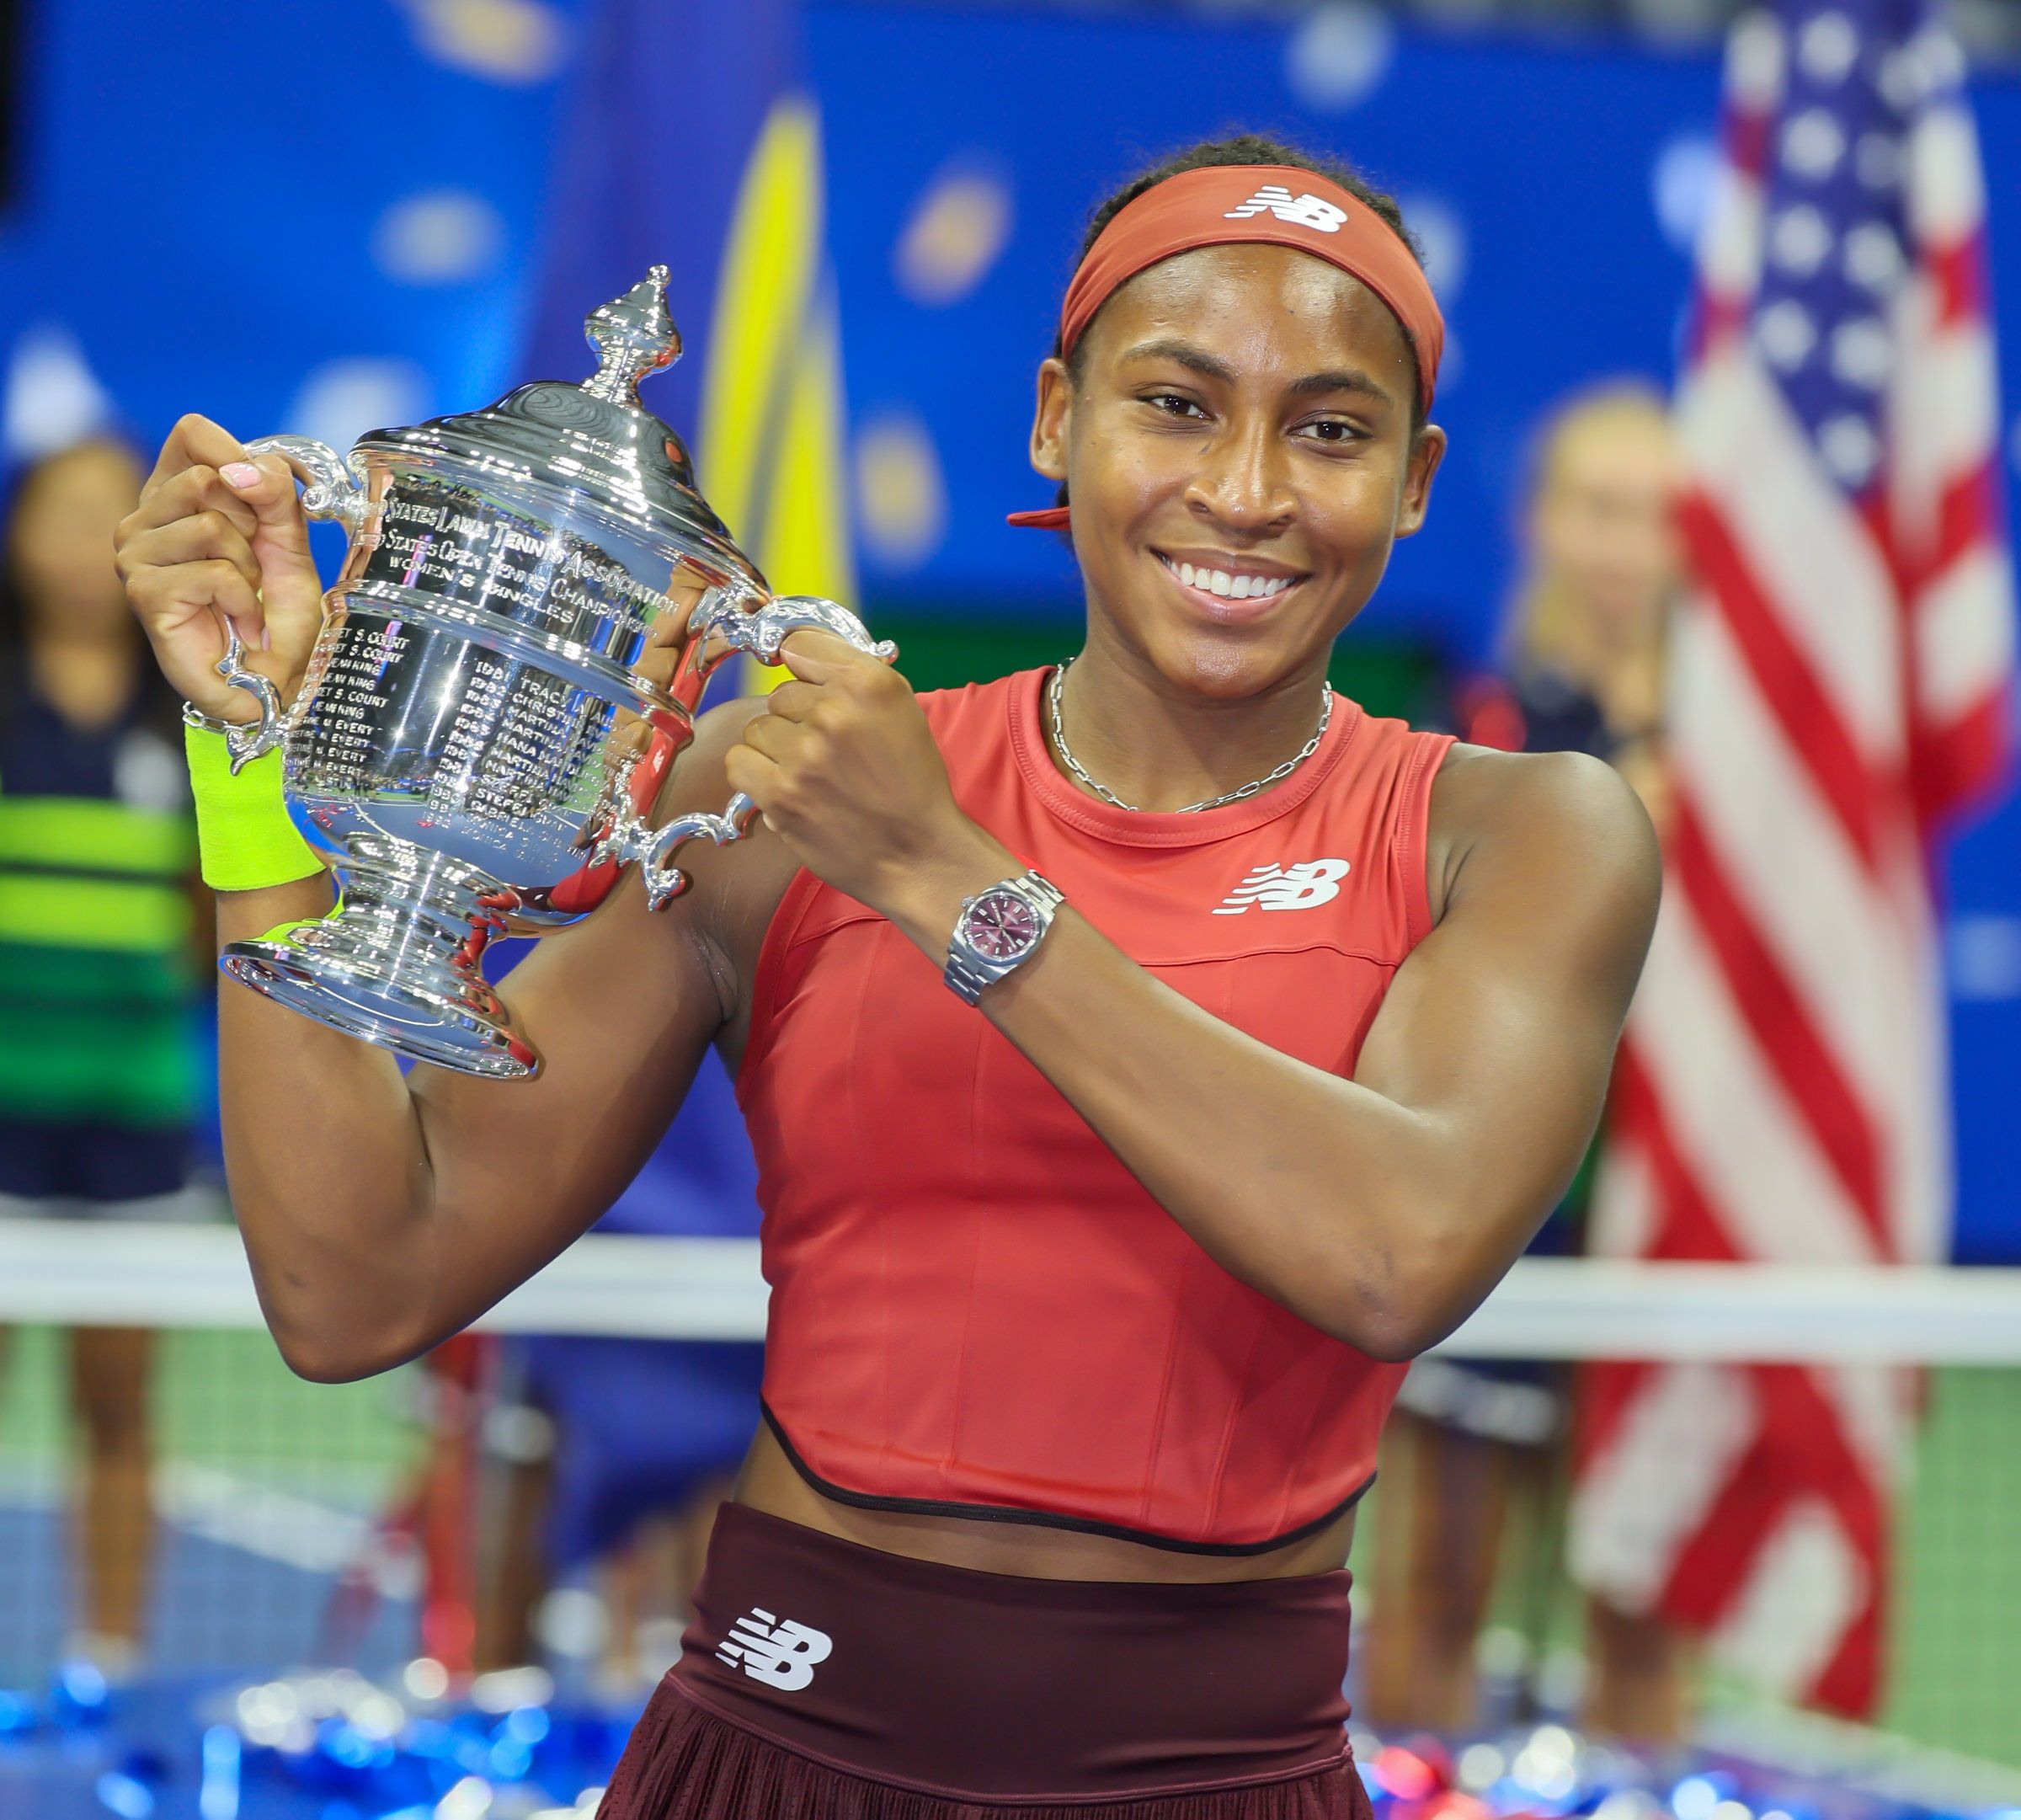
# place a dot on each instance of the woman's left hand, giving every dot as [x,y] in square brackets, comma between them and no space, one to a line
[845,770]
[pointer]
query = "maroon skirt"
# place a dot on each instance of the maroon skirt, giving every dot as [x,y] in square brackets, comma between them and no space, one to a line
[824,1680]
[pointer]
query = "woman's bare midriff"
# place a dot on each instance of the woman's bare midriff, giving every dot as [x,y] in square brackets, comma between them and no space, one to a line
[768,1483]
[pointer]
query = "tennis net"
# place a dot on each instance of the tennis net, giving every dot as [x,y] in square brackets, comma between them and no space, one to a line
[432,1523]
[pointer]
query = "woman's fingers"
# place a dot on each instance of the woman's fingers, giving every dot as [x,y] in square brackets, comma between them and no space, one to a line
[816,656]
[794,700]
[194,442]
[219,543]
[183,609]
[771,735]
[205,535]
[751,772]
[183,495]
[266,483]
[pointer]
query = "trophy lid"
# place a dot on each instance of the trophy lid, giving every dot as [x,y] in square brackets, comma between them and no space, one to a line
[595,438]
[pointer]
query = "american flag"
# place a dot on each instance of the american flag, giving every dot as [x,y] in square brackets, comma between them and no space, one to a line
[1840,676]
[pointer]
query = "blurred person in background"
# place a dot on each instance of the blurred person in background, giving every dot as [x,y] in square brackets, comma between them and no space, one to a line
[101,923]
[1471,1441]
[620,1451]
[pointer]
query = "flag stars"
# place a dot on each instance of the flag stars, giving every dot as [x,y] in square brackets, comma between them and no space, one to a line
[1786,333]
[1850,448]
[1873,256]
[1813,143]
[1941,60]
[1900,79]
[1826,48]
[1919,70]
[1835,250]
[1861,353]
[1799,239]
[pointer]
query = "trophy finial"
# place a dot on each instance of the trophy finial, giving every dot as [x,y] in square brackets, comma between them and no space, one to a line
[634,335]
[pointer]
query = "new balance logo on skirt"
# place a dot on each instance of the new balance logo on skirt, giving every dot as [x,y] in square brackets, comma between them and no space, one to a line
[1301,211]
[1298,886]
[774,1649]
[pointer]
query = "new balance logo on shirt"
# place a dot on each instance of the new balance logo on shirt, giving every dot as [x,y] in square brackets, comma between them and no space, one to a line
[1299,886]
[776,1649]
[1301,211]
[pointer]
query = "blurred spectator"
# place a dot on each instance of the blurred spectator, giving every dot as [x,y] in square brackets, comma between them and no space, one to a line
[1581,670]
[101,921]
[648,1436]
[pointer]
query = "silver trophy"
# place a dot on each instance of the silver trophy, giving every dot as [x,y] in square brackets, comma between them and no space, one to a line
[486,715]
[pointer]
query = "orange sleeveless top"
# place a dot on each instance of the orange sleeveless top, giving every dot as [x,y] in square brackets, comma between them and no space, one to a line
[976,1310]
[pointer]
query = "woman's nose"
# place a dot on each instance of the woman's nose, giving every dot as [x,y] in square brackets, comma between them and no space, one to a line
[1241,480]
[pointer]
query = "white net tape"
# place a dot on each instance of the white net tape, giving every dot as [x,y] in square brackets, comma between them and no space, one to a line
[103,1274]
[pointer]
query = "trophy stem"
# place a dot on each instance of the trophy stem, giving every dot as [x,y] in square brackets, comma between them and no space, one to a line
[396,961]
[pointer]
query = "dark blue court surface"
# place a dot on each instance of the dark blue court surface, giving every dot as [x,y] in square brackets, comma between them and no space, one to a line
[226,1611]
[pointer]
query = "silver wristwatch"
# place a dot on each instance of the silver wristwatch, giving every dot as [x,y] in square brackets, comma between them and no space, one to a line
[997,930]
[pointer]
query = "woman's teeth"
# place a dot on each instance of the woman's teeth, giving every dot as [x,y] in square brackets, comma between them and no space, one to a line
[1235,587]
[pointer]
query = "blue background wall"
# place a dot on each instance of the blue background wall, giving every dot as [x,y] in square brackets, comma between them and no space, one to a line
[249,211]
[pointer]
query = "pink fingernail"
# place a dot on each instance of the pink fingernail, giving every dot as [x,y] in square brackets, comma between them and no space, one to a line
[241,474]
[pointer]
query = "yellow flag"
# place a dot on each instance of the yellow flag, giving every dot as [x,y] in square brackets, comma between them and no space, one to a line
[771,445]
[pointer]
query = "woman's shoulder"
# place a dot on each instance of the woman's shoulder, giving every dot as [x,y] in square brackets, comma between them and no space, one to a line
[1483,796]
[967,709]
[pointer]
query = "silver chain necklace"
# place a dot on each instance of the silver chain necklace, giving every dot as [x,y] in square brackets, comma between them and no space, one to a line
[1059,739]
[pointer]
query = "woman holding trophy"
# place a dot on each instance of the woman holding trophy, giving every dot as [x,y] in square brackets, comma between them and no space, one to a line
[1145,1059]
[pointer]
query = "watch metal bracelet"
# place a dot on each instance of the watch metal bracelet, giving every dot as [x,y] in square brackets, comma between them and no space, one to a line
[969,971]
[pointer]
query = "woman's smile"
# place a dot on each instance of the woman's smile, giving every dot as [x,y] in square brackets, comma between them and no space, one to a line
[1230,590]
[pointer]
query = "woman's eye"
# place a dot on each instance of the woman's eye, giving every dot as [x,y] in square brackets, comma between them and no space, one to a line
[1333,429]
[1173,405]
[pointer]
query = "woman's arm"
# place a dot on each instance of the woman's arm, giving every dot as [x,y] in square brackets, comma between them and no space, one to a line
[383,1211]
[1382,1208]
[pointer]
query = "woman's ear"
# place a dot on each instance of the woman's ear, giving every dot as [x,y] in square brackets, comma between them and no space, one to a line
[1427,450]
[1051,419]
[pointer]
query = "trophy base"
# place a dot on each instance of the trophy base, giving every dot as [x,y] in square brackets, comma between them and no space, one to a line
[395,963]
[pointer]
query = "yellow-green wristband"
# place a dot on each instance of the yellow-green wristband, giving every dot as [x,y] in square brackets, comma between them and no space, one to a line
[243,836]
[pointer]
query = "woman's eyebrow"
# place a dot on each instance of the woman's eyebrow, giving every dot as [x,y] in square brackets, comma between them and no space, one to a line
[1347,379]
[1211,366]
[1187,355]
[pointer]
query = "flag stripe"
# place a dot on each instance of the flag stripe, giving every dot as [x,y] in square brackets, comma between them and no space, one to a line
[1808,715]
[1811,901]
[1832,589]
[1957,275]
[1968,521]
[1782,1027]
[1956,762]
[1767,1185]
[1711,1569]
[1964,636]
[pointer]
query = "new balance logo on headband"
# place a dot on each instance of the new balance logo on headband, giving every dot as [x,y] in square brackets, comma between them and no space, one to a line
[774,1649]
[1302,212]
[1298,886]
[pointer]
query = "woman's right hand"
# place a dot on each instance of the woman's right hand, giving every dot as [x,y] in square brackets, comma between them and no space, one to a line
[221,536]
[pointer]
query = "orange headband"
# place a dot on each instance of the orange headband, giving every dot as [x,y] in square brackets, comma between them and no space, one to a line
[1282,205]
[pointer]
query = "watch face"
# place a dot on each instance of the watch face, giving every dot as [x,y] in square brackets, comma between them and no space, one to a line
[1001,926]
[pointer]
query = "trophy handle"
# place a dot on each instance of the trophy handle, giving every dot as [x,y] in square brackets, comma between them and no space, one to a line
[330,491]
[330,484]
[760,633]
